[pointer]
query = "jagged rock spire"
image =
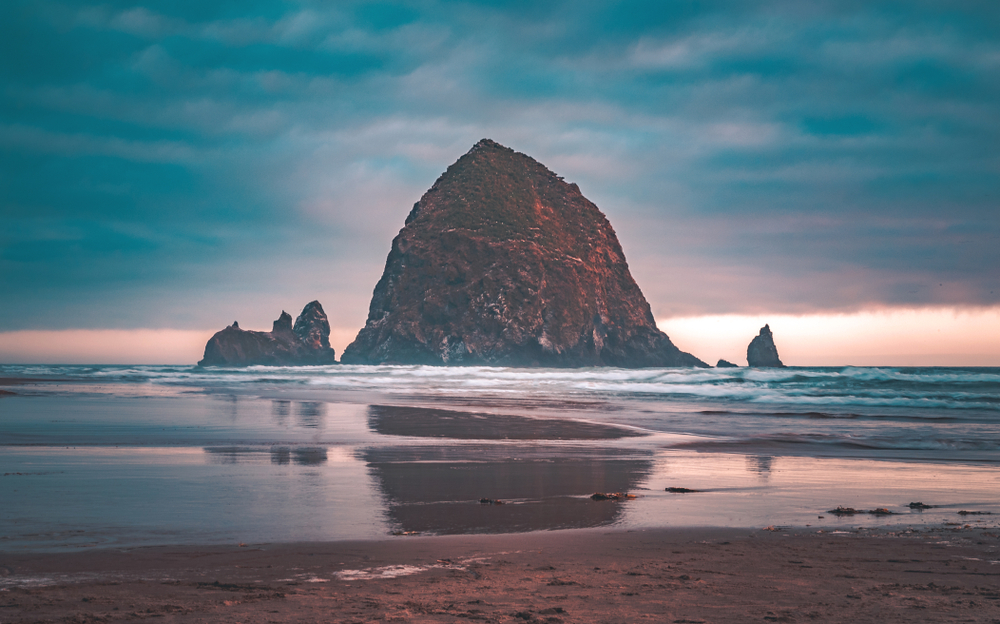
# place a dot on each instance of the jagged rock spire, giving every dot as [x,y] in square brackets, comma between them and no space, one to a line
[761,351]
[307,343]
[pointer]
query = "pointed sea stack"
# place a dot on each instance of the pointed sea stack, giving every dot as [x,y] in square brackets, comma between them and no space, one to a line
[503,263]
[304,344]
[761,352]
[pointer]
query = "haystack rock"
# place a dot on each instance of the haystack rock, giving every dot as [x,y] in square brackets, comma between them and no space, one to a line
[303,344]
[761,352]
[503,263]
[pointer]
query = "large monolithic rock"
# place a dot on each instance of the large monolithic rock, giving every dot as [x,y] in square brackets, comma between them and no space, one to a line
[306,343]
[503,263]
[761,351]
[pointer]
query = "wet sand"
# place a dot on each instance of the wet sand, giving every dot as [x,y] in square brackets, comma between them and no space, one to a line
[428,422]
[664,575]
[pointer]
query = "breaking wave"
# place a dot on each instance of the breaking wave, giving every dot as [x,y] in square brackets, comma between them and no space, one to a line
[813,389]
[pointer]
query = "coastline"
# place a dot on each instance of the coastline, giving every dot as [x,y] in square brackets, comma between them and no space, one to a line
[591,575]
[102,473]
[140,456]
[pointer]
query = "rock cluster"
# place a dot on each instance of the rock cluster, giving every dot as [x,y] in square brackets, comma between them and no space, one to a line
[307,342]
[761,352]
[501,262]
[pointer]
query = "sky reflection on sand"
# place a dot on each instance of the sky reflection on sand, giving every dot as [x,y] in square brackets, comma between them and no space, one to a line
[71,498]
[83,469]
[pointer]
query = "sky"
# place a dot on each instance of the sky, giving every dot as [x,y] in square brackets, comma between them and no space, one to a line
[832,168]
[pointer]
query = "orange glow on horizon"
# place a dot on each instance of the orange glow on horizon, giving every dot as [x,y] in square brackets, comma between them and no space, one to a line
[120,346]
[891,337]
[103,346]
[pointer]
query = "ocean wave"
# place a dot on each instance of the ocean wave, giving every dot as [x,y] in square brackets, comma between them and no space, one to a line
[912,417]
[787,441]
[908,388]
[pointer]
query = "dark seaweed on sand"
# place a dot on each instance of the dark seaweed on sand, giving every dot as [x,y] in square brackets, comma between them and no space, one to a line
[850,511]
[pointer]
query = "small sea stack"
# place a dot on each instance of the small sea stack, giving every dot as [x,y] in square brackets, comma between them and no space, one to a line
[306,343]
[761,353]
[726,364]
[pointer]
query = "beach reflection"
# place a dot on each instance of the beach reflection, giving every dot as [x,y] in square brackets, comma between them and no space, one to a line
[232,407]
[309,456]
[277,455]
[310,414]
[437,489]
[280,409]
[425,422]
[760,465]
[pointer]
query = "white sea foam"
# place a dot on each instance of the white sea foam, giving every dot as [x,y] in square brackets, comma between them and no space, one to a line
[918,388]
[386,572]
[394,571]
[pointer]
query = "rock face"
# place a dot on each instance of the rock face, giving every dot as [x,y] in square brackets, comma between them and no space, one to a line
[313,329]
[726,364]
[761,352]
[503,263]
[305,343]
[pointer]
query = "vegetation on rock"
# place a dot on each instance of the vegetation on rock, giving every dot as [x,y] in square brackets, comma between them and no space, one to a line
[502,262]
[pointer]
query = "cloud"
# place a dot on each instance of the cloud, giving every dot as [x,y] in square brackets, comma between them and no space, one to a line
[700,49]
[143,22]
[22,138]
[176,162]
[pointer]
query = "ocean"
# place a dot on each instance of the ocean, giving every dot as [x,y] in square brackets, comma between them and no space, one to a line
[99,456]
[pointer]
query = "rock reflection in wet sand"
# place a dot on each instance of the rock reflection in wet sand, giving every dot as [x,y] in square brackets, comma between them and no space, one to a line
[281,408]
[437,489]
[760,465]
[311,413]
[278,455]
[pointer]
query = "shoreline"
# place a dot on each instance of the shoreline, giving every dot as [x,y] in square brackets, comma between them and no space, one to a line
[319,493]
[588,575]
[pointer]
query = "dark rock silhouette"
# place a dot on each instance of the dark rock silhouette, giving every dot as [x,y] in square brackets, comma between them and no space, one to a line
[615,496]
[312,328]
[850,511]
[503,263]
[726,364]
[307,342]
[761,352]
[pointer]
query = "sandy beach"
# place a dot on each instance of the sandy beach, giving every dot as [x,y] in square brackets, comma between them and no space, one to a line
[165,494]
[668,575]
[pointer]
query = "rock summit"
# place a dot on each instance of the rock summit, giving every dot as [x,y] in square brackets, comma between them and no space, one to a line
[307,342]
[503,263]
[761,351]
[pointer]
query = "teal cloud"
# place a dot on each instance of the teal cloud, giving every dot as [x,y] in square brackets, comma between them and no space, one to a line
[164,163]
